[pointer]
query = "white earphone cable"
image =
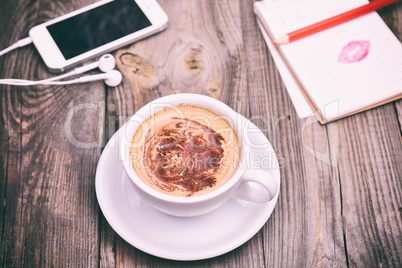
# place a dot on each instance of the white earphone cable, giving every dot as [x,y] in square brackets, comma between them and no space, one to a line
[42,82]
[21,43]
[23,82]
[106,63]
[114,75]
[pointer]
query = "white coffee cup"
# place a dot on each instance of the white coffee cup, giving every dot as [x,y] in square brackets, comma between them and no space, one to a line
[236,187]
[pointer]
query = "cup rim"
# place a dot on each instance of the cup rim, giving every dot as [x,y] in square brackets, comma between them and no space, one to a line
[176,99]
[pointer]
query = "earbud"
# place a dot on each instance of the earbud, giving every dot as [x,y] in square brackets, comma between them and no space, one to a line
[107,63]
[114,79]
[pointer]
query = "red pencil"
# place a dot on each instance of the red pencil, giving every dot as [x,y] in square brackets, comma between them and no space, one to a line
[338,19]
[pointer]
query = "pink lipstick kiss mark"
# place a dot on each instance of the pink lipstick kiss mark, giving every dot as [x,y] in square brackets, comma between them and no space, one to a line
[354,51]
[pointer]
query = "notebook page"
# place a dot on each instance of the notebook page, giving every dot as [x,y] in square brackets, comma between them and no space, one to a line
[354,64]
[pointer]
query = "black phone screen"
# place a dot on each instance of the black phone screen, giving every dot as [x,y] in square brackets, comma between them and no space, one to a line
[98,26]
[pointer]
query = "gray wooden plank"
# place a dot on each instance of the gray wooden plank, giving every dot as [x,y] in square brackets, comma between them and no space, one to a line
[370,154]
[202,52]
[398,111]
[391,15]
[8,29]
[305,229]
[50,213]
[245,256]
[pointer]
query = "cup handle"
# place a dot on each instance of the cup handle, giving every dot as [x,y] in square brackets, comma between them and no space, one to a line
[249,190]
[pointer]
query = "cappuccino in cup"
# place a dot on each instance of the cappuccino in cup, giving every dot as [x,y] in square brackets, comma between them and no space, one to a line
[184,160]
[185,150]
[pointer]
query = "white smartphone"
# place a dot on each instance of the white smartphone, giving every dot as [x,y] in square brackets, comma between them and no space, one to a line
[96,29]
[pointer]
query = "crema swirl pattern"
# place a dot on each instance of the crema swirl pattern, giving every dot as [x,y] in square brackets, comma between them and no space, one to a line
[185,151]
[183,154]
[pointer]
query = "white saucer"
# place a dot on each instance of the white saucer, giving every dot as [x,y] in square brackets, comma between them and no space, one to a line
[177,238]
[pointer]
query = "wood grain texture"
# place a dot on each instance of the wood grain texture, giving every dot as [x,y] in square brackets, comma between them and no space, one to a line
[49,217]
[370,172]
[340,203]
[398,111]
[202,52]
[203,41]
[305,229]
[392,15]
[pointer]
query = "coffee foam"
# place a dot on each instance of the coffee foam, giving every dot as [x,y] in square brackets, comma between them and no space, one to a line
[185,151]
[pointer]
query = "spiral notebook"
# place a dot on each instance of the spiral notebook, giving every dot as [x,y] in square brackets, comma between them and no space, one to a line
[349,68]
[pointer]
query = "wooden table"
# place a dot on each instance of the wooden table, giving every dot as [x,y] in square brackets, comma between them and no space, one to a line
[340,202]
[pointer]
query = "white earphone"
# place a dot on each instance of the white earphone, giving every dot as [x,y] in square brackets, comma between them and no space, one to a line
[106,64]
